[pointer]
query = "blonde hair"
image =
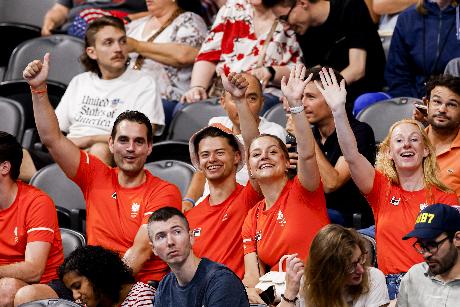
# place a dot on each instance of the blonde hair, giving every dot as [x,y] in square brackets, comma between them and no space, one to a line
[430,168]
[330,255]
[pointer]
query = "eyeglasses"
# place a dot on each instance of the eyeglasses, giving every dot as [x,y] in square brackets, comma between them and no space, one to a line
[352,267]
[430,247]
[286,17]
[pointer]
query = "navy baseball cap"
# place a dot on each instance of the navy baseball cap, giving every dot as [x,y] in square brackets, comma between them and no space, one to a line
[434,220]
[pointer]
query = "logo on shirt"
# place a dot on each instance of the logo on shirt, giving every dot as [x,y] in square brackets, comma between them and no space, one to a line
[395,201]
[114,195]
[258,236]
[15,233]
[135,209]
[196,232]
[450,171]
[281,220]
[225,217]
[423,206]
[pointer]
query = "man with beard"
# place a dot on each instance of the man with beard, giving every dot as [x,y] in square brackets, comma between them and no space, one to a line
[443,94]
[435,282]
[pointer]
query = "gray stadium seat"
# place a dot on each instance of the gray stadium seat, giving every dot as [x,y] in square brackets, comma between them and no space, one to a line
[52,302]
[192,118]
[277,115]
[28,12]
[381,115]
[12,117]
[176,172]
[170,150]
[71,240]
[67,196]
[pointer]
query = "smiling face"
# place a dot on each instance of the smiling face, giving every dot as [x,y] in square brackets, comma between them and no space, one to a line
[298,15]
[130,147]
[171,240]
[444,109]
[267,159]
[217,159]
[407,148]
[82,289]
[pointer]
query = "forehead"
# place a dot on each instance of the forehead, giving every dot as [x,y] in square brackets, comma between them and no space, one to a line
[264,142]
[162,226]
[405,129]
[131,129]
[71,277]
[212,143]
[445,93]
[311,88]
[109,32]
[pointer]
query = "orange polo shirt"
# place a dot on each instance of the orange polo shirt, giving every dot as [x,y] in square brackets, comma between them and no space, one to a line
[449,165]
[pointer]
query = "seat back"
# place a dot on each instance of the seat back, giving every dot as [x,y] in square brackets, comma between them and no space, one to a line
[66,195]
[277,115]
[71,240]
[52,302]
[170,150]
[192,118]
[177,172]
[12,117]
[381,115]
[64,60]
[29,12]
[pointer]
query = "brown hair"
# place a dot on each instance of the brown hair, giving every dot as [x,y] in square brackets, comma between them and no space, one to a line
[90,39]
[277,139]
[385,165]
[330,255]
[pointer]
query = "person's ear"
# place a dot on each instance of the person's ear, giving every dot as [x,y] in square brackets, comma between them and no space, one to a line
[111,144]
[237,158]
[305,4]
[5,168]
[91,52]
[456,239]
[192,237]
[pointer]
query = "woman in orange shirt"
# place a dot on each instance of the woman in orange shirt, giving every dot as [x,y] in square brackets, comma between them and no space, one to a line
[293,211]
[402,184]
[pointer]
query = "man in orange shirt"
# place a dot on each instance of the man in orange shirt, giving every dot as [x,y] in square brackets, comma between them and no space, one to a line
[30,241]
[119,200]
[216,222]
[443,94]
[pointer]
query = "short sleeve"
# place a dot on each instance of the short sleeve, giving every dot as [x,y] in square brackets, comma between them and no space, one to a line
[166,196]
[374,196]
[191,30]
[314,198]
[225,289]
[251,196]
[358,25]
[63,108]
[87,170]
[248,232]
[41,219]
[378,291]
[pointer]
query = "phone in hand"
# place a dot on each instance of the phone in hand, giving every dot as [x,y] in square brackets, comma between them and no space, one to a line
[268,296]
[422,108]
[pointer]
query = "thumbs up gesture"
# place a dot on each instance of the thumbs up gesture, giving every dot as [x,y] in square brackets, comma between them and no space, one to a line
[36,72]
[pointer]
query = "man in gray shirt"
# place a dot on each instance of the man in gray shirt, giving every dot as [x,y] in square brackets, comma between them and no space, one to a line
[435,282]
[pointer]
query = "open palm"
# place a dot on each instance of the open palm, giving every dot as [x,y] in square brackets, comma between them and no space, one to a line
[294,87]
[334,93]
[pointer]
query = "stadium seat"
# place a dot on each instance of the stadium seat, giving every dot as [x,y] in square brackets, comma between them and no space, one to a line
[64,60]
[12,117]
[192,117]
[277,115]
[71,240]
[381,115]
[170,150]
[52,302]
[176,172]
[67,196]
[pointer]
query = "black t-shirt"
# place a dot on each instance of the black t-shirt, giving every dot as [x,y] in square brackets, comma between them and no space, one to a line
[348,26]
[348,199]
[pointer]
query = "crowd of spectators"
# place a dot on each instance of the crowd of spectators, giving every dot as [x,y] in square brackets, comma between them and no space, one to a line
[254,200]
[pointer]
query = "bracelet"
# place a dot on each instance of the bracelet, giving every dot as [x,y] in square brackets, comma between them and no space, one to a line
[198,86]
[272,72]
[39,91]
[296,109]
[288,300]
[189,200]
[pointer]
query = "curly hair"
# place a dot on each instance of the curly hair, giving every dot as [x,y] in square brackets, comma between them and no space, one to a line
[386,165]
[330,255]
[104,269]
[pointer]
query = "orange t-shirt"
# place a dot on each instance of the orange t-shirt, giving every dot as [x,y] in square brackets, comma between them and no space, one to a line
[31,217]
[449,166]
[114,214]
[217,228]
[395,211]
[288,226]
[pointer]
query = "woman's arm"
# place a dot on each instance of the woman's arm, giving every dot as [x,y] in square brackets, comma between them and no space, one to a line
[361,169]
[308,172]
[251,278]
[202,74]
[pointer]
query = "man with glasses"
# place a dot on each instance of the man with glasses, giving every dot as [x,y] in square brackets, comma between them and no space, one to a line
[443,98]
[339,34]
[435,282]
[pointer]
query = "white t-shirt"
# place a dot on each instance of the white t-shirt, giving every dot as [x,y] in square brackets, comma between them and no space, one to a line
[266,127]
[189,29]
[375,297]
[90,104]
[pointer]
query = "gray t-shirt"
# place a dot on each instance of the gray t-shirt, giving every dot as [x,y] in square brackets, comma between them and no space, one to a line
[419,288]
[129,6]
[222,288]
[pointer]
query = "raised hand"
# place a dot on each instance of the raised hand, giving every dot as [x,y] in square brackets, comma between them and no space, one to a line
[235,84]
[335,94]
[294,273]
[36,72]
[294,87]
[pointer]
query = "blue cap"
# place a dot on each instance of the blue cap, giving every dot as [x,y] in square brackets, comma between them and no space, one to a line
[434,220]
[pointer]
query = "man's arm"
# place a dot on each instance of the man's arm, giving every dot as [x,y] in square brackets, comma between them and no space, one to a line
[333,177]
[139,252]
[64,152]
[194,191]
[88,141]
[383,7]
[356,68]
[31,269]
[54,18]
